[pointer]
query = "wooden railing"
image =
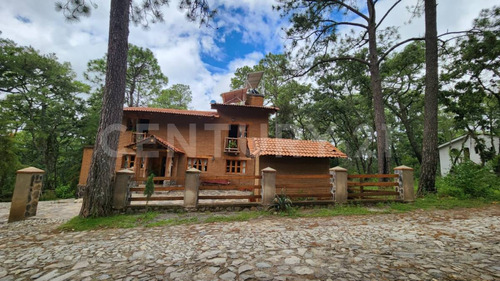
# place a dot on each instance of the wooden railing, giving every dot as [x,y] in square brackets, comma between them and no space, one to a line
[300,188]
[304,187]
[369,190]
[235,183]
[137,137]
[231,145]
[154,178]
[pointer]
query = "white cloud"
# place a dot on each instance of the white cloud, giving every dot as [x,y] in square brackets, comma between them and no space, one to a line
[179,44]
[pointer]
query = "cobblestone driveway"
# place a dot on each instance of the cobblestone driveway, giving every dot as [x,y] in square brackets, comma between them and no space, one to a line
[442,245]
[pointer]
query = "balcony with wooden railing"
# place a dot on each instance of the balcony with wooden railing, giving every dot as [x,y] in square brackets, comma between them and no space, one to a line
[137,137]
[232,145]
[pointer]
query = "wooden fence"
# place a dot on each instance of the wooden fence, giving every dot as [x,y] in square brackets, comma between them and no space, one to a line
[234,183]
[363,187]
[337,186]
[305,187]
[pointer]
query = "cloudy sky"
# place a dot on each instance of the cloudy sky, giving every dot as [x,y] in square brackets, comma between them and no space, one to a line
[203,58]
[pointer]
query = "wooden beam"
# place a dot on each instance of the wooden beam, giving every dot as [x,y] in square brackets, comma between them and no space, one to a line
[378,193]
[321,176]
[372,176]
[157,198]
[230,187]
[353,183]
[228,197]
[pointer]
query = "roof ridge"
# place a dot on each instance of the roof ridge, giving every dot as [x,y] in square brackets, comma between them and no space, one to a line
[207,113]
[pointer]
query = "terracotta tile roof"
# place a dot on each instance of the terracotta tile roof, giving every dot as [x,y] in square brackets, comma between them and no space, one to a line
[296,148]
[172,111]
[235,96]
[154,139]
[215,105]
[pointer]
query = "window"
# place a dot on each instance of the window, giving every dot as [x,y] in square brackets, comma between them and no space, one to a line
[237,131]
[128,161]
[143,126]
[236,166]
[130,124]
[198,163]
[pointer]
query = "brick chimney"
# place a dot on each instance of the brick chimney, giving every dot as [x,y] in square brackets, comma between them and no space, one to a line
[254,98]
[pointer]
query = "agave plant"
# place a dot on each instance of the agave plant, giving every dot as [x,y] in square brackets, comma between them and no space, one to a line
[281,203]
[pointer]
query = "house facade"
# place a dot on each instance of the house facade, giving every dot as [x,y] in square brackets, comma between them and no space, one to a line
[230,140]
[464,148]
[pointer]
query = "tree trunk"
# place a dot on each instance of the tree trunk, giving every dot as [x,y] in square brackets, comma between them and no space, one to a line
[430,139]
[98,194]
[383,158]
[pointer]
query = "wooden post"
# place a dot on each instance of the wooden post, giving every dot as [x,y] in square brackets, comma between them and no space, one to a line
[339,184]
[256,191]
[268,186]
[191,188]
[27,191]
[405,180]
[121,187]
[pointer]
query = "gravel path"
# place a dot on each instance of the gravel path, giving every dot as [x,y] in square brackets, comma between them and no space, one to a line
[461,244]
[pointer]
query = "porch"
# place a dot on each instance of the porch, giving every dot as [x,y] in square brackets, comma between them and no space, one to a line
[155,155]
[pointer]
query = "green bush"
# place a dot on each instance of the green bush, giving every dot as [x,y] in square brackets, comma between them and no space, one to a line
[495,164]
[65,191]
[150,186]
[48,195]
[470,180]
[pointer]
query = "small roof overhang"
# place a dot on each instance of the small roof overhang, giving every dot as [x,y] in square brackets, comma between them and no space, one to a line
[155,140]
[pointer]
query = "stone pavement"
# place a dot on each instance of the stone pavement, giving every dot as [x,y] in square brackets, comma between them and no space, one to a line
[462,244]
[59,209]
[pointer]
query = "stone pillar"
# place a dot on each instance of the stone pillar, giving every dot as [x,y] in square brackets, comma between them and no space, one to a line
[29,183]
[339,184]
[121,188]
[191,188]
[268,186]
[405,188]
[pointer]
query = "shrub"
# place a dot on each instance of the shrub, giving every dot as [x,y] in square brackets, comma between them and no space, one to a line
[65,191]
[469,180]
[150,187]
[495,164]
[48,195]
[281,203]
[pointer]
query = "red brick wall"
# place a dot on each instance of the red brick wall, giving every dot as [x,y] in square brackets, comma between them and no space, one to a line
[203,143]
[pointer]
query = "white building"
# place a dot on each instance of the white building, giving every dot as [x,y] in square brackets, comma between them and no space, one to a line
[463,148]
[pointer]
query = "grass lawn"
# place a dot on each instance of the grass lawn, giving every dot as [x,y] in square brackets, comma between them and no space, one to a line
[154,219]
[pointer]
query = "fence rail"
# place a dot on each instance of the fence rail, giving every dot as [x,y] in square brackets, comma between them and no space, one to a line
[338,187]
[154,178]
[213,178]
[157,198]
[372,184]
[319,176]
[365,176]
[166,188]
[230,187]
[226,197]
